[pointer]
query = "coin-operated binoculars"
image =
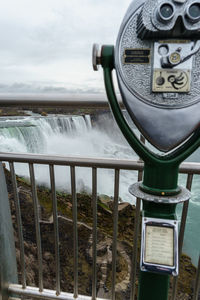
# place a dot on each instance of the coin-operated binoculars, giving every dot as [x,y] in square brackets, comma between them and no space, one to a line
[157,62]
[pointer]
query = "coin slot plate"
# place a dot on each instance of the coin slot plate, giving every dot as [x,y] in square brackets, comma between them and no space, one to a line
[171,80]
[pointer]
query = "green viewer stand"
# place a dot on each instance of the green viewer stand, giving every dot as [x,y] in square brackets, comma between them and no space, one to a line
[158,190]
[156,59]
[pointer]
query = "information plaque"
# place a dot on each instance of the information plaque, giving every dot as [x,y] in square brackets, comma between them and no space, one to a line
[159,249]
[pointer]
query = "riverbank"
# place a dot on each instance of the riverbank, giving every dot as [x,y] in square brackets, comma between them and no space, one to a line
[104,245]
[45,111]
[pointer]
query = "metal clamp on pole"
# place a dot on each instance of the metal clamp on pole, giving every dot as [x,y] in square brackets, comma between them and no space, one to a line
[156,63]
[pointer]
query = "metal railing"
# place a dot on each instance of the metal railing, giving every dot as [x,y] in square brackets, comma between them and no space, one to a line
[56,100]
[22,290]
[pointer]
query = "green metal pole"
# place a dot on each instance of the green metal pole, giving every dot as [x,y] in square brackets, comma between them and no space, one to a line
[155,286]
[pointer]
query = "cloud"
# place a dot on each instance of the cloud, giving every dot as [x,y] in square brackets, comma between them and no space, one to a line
[49,88]
[51,40]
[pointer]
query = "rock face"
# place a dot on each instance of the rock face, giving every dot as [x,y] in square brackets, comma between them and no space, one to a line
[85,243]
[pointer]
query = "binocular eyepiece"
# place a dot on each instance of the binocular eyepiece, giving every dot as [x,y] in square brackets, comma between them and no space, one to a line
[168,19]
[167,11]
[193,12]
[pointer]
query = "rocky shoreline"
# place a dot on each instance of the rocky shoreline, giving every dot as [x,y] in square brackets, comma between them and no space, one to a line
[104,245]
[45,111]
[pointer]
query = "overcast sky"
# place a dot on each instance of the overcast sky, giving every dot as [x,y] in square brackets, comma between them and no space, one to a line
[45,45]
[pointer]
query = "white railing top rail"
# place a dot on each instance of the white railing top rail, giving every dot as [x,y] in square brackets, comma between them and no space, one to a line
[55,100]
[110,163]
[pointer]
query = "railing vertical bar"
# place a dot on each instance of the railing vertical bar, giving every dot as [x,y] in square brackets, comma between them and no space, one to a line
[37,226]
[181,233]
[197,282]
[184,214]
[19,224]
[135,248]
[136,234]
[75,229]
[94,233]
[56,231]
[115,232]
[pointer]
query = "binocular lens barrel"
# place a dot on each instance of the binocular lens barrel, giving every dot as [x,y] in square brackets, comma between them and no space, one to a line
[193,12]
[165,12]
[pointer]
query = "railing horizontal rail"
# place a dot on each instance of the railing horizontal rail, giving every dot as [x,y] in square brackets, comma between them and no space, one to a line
[190,168]
[72,161]
[46,294]
[185,168]
[56,100]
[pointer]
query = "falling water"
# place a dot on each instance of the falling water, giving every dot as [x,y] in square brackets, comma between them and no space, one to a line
[70,136]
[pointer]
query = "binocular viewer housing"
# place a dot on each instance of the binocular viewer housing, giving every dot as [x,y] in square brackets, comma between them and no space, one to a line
[157,61]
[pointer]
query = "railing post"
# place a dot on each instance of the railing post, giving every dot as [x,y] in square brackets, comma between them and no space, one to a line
[8,265]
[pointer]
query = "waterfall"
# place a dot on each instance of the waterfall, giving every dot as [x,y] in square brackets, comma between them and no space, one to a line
[69,136]
[32,134]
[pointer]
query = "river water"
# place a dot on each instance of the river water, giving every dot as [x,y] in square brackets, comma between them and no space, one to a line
[81,136]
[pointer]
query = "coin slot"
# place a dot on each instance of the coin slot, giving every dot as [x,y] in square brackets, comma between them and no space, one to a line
[163,50]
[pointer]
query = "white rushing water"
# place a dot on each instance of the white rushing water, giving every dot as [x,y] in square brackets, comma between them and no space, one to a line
[76,136]
[70,136]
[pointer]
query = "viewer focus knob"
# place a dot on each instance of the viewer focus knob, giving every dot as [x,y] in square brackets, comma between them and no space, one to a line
[96,57]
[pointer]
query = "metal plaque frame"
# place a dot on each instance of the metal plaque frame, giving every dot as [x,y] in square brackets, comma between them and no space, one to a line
[156,267]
